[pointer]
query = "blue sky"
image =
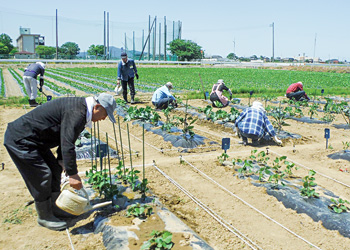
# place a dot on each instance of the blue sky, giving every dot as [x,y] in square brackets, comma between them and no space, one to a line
[220,27]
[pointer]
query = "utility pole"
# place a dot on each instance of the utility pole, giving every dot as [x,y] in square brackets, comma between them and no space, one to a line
[314,48]
[104,35]
[108,56]
[165,30]
[56,37]
[273,41]
[234,46]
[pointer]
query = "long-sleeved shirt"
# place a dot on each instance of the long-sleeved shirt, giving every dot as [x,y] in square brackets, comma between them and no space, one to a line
[34,70]
[55,123]
[126,70]
[254,122]
[160,93]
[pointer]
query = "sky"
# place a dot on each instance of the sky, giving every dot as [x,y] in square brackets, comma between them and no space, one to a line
[301,27]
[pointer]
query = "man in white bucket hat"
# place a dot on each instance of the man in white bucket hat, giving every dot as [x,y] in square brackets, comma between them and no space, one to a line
[29,140]
[253,123]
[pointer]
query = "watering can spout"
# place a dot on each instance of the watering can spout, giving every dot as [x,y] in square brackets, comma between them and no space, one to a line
[75,204]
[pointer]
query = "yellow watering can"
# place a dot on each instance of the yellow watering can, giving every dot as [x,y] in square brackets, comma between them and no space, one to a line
[75,204]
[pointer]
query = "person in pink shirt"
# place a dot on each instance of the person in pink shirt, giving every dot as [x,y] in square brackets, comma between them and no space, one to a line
[295,92]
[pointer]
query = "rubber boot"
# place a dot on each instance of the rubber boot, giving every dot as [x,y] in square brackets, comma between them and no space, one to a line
[46,217]
[125,98]
[132,99]
[56,210]
[33,103]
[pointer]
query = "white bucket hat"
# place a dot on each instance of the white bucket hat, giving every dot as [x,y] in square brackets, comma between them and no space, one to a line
[258,105]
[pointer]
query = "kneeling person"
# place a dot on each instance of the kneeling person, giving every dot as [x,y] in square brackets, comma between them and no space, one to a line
[216,93]
[253,123]
[162,97]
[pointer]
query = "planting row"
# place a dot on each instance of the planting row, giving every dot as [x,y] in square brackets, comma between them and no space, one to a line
[18,79]
[2,84]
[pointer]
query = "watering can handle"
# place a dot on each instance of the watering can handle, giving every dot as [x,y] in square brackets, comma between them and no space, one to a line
[84,191]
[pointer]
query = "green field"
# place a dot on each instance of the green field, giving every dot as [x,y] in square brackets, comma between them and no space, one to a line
[241,81]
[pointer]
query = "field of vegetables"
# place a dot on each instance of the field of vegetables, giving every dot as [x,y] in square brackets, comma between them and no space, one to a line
[261,81]
[245,197]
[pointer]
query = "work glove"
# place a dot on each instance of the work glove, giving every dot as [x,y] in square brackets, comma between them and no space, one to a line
[41,82]
[41,89]
[137,76]
[278,141]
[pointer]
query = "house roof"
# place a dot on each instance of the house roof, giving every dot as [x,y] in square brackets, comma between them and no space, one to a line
[24,52]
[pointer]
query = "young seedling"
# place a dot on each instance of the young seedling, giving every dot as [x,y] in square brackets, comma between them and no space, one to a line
[313,110]
[339,206]
[307,189]
[223,158]
[141,211]
[218,104]
[289,168]
[264,170]
[276,178]
[247,167]
[159,241]
[346,145]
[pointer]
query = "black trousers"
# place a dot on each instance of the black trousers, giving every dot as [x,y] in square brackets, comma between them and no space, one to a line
[129,82]
[296,95]
[39,168]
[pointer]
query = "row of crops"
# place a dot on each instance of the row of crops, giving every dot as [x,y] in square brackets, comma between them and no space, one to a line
[2,84]
[18,79]
[239,80]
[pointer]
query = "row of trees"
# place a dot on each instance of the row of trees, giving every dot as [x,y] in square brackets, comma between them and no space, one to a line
[185,50]
[67,50]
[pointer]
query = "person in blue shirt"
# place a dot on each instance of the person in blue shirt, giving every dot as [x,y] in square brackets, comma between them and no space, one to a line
[126,72]
[30,81]
[253,123]
[162,97]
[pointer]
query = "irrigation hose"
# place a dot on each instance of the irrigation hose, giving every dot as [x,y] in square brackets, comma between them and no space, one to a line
[328,177]
[70,240]
[210,212]
[252,207]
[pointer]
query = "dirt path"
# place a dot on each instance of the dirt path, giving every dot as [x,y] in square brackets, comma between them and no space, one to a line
[11,86]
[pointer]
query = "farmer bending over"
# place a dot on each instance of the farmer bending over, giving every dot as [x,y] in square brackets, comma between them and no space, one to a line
[29,139]
[253,123]
[216,93]
[162,97]
[29,79]
[295,91]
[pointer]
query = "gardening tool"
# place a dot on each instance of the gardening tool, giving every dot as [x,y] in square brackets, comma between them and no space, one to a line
[75,204]
[48,97]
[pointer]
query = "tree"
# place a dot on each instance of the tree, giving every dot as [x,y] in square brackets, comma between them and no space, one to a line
[13,51]
[43,50]
[6,41]
[96,50]
[3,48]
[231,56]
[185,49]
[70,49]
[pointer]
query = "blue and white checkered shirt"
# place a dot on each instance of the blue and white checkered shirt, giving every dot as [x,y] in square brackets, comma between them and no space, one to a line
[254,122]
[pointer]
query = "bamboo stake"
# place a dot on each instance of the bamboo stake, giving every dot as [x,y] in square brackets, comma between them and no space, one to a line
[121,145]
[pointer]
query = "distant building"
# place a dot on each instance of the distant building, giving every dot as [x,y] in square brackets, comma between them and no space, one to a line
[27,42]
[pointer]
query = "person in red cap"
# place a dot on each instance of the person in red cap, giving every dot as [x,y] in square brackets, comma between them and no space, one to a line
[295,92]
